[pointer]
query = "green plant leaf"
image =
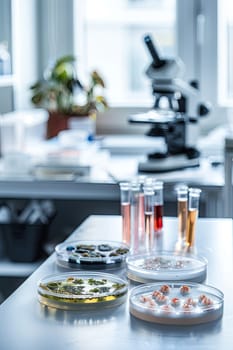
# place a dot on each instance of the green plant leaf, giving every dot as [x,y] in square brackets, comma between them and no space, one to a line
[59,89]
[65,59]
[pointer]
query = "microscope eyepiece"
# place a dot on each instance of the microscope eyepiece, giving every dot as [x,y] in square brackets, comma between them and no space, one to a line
[157,61]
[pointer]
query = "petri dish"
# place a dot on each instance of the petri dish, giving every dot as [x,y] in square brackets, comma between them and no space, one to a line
[82,291]
[91,254]
[166,266]
[176,303]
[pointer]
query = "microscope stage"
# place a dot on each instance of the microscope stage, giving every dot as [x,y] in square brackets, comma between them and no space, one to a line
[170,163]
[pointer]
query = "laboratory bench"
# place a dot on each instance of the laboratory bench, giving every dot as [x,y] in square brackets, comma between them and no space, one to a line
[77,197]
[27,324]
[102,183]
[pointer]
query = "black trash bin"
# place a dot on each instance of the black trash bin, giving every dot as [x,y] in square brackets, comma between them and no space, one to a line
[24,242]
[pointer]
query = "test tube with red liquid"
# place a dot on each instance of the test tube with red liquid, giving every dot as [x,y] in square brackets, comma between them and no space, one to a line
[193,207]
[149,217]
[125,211]
[158,206]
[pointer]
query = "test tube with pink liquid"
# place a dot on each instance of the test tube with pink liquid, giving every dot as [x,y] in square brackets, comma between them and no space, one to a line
[134,216]
[125,190]
[141,214]
[149,217]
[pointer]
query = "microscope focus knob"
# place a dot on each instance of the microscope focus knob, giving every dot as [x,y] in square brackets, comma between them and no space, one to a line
[203,109]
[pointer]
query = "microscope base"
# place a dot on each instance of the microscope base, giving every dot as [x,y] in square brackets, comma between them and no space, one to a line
[170,163]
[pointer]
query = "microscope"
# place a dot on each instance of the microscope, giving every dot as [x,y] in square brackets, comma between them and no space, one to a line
[176,105]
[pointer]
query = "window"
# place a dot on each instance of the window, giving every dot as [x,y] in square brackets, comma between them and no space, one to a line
[108,35]
[225,53]
[111,41]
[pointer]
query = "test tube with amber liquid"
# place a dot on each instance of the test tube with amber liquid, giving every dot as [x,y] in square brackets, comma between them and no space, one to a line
[149,218]
[182,212]
[193,207]
[158,206]
[125,211]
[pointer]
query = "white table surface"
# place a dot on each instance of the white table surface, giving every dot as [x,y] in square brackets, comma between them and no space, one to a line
[25,324]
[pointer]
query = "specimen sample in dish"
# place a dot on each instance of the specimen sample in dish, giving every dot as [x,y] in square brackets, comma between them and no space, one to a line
[91,254]
[83,290]
[166,266]
[176,303]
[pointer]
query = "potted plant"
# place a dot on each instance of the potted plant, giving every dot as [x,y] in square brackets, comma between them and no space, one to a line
[64,96]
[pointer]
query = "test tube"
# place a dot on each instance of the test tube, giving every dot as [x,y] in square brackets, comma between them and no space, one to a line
[149,217]
[144,181]
[193,206]
[125,211]
[141,215]
[182,213]
[158,206]
[134,214]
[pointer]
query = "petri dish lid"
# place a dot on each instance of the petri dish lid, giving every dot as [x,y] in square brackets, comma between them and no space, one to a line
[82,290]
[91,254]
[176,303]
[166,266]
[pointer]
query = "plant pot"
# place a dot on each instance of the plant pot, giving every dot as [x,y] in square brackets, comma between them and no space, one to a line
[56,122]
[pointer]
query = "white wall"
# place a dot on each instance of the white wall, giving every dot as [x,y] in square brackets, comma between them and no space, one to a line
[24,56]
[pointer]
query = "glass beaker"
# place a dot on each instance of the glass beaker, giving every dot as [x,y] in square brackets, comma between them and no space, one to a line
[193,207]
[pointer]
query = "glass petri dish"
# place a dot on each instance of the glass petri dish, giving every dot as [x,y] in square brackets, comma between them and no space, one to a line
[81,291]
[176,303]
[166,266]
[91,254]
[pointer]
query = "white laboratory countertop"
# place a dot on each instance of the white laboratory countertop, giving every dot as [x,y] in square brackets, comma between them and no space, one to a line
[103,176]
[112,158]
[125,167]
[25,324]
[105,173]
